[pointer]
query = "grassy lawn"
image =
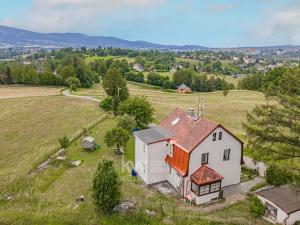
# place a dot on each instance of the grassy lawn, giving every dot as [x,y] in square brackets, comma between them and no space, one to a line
[93,58]
[55,203]
[17,91]
[229,111]
[30,128]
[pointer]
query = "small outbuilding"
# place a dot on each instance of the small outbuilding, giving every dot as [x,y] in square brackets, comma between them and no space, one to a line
[88,143]
[183,89]
[282,204]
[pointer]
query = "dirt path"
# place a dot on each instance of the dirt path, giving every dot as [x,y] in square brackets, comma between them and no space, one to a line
[89,98]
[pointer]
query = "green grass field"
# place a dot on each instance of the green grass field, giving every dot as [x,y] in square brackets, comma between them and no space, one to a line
[229,111]
[93,58]
[31,126]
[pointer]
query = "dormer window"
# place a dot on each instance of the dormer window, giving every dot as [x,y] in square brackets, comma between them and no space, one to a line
[174,122]
[214,136]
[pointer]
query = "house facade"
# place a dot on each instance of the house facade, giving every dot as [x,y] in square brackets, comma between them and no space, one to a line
[183,89]
[198,157]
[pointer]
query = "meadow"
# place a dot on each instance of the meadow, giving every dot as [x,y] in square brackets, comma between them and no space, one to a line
[31,126]
[229,111]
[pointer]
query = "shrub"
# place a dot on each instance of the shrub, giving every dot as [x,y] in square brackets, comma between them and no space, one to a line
[107,104]
[73,83]
[106,186]
[257,208]
[64,142]
[276,176]
[117,137]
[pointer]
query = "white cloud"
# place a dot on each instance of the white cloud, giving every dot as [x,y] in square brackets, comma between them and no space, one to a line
[72,15]
[281,25]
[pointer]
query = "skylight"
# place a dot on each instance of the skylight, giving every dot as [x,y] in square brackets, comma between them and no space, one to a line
[174,122]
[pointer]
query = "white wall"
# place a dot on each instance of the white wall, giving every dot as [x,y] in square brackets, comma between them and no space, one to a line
[259,166]
[293,217]
[173,178]
[141,159]
[157,167]
[205,198]
[281,215]
[229,169]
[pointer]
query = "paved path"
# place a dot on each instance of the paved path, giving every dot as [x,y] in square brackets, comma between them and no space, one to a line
[89,98]
[233,194]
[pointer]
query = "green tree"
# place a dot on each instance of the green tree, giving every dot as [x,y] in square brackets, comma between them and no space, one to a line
[277,175]
[73,83]
[117,137]
[183,76]
[273,129]
[140,108]
[126,122]
[106,187]
[107,104]
[114,85]
[67,71]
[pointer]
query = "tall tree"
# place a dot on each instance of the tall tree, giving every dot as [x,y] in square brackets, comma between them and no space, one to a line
[106,191]
[273,129]
[140,108]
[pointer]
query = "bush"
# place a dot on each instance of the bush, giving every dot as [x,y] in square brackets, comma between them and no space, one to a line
[276,176]
[106,186]
[257,208]
[64,142]
[107,104]
[73,83]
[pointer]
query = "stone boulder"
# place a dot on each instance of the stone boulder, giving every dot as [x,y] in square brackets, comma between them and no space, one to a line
[76,163]
[150,213]
[124,207]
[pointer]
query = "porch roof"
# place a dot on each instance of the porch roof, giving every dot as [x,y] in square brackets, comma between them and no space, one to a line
[205,175]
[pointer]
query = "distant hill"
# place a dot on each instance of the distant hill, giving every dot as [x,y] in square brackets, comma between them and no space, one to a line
[21,38]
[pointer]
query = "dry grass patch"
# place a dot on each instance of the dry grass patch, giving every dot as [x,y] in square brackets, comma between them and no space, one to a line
[18,91]
[30,128]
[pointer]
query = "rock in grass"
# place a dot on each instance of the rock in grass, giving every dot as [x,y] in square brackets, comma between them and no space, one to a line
[10,198]
[150,213]
[80,198]
[124,207]
[44,165]
[76,162]
[61,158]
[61,152]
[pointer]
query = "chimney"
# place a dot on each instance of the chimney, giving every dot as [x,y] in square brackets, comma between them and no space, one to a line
[191,112]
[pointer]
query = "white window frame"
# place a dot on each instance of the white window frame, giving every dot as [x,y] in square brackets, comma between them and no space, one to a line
[214,136]
[227,157]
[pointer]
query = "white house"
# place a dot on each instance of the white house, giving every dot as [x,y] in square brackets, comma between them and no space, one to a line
[282,204]
[195,155]
[138,67]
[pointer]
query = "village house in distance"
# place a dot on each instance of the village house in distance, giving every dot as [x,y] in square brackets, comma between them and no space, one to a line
[196,156]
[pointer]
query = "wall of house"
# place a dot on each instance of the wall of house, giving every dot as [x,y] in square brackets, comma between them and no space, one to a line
[157,167]
[173,177]
[141,159]
[293,217]
[205,198]
[281,215]
[229,169]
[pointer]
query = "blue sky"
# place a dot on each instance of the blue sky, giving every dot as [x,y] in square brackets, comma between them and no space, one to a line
[213,23]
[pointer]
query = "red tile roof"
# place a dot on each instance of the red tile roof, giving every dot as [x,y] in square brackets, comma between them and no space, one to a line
[179,161]
[189,133]
[205,175]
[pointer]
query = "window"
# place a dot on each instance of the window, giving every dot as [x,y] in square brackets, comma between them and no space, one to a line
[214,136]
[271,210]
[171,151]
[204,190]
[169,169]
[195,188]
[204,158]
[226,155]
[214,187]
[144,168]
[220,135]
[144,148]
